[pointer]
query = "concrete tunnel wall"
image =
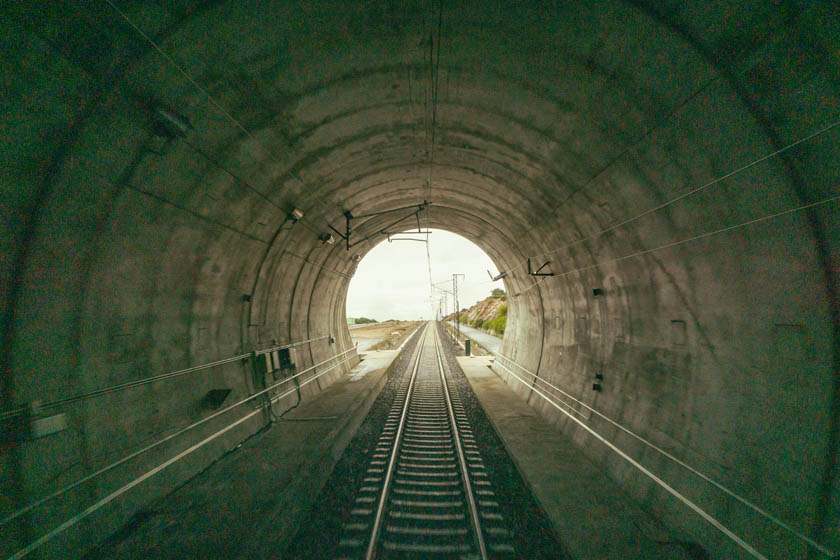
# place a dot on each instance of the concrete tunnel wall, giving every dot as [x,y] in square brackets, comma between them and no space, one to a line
[128,255]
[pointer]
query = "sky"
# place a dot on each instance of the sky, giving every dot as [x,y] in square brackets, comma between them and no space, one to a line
[392,280]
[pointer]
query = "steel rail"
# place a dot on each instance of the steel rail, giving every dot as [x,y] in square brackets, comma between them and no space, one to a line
[389,474]
[476,522]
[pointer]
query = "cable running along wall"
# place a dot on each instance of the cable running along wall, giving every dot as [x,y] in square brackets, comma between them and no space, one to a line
[125,488]
[810,542]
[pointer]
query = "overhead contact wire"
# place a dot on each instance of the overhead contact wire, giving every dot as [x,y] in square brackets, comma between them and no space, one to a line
[685,241]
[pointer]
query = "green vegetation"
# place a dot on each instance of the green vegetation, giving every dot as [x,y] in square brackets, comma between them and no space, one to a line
[498,293]
[463,319]
[476,323]
[499,323]
[364,320]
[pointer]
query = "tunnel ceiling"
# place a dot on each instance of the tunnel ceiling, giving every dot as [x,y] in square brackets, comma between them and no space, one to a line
[139,241]
[527,129]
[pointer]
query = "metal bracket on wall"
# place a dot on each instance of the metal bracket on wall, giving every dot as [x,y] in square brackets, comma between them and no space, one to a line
[539,272]
[499,276]
[348,217]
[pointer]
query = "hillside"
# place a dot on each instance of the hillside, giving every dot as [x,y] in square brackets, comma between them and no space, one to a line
[489,314]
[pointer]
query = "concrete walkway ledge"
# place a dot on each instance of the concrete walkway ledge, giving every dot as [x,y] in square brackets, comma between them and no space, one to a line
[250,503]
[591,515]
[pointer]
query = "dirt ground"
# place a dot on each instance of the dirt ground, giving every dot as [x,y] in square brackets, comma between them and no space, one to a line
[392,333]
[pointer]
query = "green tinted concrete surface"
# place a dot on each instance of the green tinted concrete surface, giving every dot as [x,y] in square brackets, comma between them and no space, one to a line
[250,503]
[590,513]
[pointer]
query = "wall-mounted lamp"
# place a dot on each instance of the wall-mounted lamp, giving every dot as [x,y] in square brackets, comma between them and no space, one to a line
[356,258]
[171,123]
[597,292]
[327,239]
[296,214]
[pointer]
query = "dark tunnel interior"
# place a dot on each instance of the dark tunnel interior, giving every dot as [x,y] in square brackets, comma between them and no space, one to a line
[675,162]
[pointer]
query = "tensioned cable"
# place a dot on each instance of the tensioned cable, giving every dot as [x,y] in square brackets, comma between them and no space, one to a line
[686,194]
[146,380]
[697,509]
[115,494]
[686,466]
[247,184]
[171,436]
[166,202]
[203,91]
[318,265]
[688,240]
[703,235]
[434,70]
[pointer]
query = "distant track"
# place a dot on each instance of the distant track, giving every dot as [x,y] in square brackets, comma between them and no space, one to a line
[425,493]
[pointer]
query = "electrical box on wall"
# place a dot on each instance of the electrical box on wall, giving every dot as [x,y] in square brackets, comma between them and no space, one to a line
[275,360]
[263,363]
[44,426]
[32,424]
[287,358]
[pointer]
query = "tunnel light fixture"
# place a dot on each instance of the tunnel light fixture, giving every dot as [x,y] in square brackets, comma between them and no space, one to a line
[356,258]
[296,214]
[597,292]
[170,123]
[327,239]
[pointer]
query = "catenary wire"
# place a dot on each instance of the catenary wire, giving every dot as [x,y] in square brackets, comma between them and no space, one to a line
[153,379]
[125,488]
[158,443]
[201,89]
[688,240]
[668,488]
[687,194]
[703,235]
[686,466]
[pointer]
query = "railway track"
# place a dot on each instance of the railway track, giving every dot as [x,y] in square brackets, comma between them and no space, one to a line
[425,492]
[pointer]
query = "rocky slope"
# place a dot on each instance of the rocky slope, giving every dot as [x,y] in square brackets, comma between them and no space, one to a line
[489,314]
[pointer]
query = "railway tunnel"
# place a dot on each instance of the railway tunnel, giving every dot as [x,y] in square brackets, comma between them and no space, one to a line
[193,183]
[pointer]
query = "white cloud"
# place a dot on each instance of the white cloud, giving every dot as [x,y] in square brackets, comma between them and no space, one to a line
[392,281]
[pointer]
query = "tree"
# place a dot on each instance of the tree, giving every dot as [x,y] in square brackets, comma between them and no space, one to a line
[498,293]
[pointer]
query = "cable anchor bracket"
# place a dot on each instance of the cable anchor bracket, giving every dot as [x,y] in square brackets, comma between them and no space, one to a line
[539,272]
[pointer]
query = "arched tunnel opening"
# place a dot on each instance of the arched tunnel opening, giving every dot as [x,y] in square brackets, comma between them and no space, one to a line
[190,186]
[420,274]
